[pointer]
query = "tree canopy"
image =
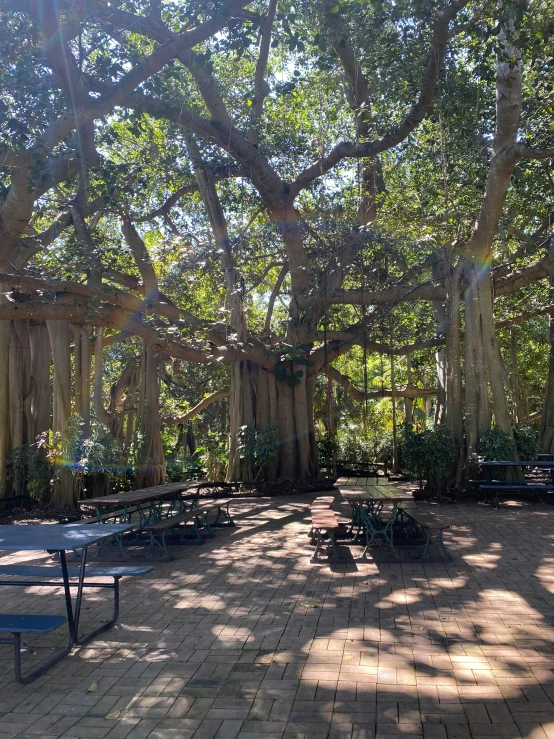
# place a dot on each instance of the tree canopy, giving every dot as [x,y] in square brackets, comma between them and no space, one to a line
[250,226]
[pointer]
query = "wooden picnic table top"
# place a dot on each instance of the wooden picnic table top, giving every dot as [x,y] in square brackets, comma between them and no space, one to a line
[132,497]
[388,494]
[362,481]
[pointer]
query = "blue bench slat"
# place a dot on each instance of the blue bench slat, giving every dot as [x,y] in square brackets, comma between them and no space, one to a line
[22,570]
[29,624]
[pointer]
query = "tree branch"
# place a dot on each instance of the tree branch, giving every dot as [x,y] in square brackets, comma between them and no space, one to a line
[261,88]
[410,391]
[412,120]
[198,408]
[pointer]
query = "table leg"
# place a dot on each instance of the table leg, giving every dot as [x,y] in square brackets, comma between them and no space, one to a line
[67,594]
[79,600]
[24,680]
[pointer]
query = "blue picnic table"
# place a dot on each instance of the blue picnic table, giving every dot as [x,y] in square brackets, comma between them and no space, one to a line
[58,539]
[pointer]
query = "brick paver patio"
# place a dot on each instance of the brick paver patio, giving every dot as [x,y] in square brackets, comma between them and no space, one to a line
[243,637]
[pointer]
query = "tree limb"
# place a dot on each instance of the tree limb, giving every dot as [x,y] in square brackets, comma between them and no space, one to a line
[198,408]
[412,120]
[410,391]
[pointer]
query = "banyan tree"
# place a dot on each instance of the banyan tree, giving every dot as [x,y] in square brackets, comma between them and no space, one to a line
[260,188]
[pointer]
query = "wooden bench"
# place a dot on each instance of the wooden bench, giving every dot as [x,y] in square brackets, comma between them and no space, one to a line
[17,624]
[324,502]
[198,516]
[324,524]
[430,524]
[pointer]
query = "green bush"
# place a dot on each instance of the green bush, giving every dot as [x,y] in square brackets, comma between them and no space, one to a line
[495,445]
[213,455]
[328,449]
[384,450]
[29,468]
[526,437]
[429,454]
[355,450]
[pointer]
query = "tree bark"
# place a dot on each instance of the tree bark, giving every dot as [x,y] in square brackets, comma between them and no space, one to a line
[39,341]
[151,470]
[63,497]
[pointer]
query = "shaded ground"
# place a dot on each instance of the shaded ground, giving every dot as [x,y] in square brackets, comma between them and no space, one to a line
[243,637]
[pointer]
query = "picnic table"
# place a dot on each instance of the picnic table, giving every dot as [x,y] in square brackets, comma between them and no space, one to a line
[148,502]
[57,539]
[367,503]
[355,481]
[499,487]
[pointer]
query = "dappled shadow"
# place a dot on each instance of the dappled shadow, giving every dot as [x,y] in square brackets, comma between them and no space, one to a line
[244,628]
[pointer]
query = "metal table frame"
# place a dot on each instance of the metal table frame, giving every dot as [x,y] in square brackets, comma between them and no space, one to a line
[366,510]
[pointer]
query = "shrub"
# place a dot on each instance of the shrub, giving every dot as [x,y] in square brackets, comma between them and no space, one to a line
[327,449]
[384,450]
[495,445]
[526,437]
[429,454]
[29,468]
[213,453]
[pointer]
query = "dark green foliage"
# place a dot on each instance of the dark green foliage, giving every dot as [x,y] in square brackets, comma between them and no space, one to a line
[356,450]
[429,454]
[384,450]
[328,449]
[495,445]
[30,470]
[260,446]
[213,453]
[526,437]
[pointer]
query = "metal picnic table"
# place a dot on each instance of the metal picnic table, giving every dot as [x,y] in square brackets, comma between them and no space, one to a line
[57,538]
[367,503]
[502,487]
[147,502]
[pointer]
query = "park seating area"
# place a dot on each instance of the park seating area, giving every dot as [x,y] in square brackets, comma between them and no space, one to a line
[171,510]
[522,478]
[245,638]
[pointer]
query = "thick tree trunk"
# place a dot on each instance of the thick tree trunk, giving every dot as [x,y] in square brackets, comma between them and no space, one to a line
[546,428]
[83,358]
[454,407]
[151,469]
[492,352]
[39,341]
[478,417]
[5,332]
[63,497]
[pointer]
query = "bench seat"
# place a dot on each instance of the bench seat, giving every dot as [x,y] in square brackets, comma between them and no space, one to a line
[23,570]
[29,624]
[429,523]
[325,525]
[505,488]
[198,516]
[17,624]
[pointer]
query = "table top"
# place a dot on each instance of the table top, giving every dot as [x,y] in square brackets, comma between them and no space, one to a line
[385,494]
[141,496]
[56,537]
[525,463]
[362,481]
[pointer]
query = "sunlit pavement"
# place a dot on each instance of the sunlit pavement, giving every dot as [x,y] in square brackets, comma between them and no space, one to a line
[244,637]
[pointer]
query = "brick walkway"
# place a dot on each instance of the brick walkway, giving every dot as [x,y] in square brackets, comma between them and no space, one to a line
[243,637]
